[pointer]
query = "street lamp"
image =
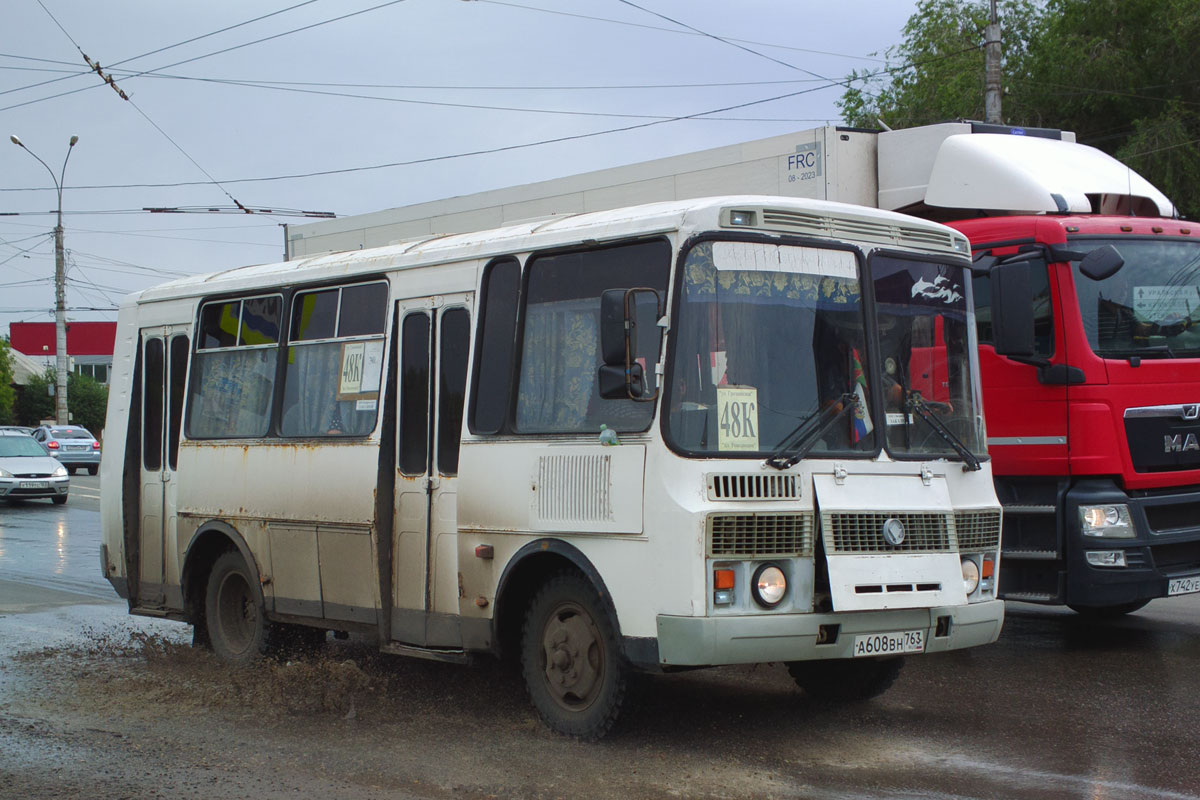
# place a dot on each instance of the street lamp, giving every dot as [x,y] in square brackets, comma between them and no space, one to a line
[60,287]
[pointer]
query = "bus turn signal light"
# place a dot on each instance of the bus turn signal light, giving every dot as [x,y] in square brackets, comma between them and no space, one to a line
[722,579]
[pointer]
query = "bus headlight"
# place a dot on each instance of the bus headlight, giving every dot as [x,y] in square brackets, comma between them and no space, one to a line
[970,573]
[769,585]
[1108,522]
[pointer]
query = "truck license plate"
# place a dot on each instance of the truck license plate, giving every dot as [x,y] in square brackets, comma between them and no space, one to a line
[35,484]
[882,644]
[1183,585]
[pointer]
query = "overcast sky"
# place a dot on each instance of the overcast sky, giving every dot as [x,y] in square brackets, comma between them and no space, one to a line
[351,86]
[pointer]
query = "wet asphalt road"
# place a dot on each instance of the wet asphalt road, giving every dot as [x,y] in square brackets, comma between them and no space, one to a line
[1059,707]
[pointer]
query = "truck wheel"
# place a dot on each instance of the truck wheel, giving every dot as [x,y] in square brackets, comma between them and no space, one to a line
[572,665]
[1108,612]
[845,680]
[235,614]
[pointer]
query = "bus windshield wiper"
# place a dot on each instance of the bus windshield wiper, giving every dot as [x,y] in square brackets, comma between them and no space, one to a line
[805,435]
[917,403]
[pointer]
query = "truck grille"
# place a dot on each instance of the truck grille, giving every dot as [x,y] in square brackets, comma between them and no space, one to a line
[977,531]
[863,533]
[760,535]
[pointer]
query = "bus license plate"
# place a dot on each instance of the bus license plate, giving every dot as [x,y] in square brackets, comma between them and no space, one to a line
[883,644]
[1183,585]
[35,484]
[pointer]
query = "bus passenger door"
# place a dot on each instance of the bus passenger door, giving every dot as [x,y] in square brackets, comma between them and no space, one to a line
[164,375]
[434,343]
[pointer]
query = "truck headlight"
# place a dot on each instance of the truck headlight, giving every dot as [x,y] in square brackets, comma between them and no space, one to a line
[769,585]
[1107,522]
[970,573]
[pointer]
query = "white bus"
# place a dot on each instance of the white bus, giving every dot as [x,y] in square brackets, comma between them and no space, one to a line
[729,430]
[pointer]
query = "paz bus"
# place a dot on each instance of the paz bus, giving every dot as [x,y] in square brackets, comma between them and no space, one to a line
[644,439]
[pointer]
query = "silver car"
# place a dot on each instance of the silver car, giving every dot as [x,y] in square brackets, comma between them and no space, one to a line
[72,445]
[27,472]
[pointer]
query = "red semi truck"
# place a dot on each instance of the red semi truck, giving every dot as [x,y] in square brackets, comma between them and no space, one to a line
[1088,310]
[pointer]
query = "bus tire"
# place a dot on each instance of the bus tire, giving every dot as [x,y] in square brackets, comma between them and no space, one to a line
[234,612]
[573,668]
[1108,612]
[845,680]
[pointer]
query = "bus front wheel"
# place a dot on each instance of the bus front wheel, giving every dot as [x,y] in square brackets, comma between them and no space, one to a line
[235,616]
[570,659]
[844,680]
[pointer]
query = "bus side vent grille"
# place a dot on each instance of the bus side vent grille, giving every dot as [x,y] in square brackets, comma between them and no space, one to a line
[977,531]
[863,229]
[760,535]
[575,488]
[863,533]
[753,487]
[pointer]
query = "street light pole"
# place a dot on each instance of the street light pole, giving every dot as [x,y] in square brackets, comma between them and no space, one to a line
[60,287]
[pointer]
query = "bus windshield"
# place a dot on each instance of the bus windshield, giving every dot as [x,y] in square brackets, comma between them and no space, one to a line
[1148,308]
[768,336]
[930,393]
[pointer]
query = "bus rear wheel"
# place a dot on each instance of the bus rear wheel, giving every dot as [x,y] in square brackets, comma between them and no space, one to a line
[570,659]
[235,613]
[845,680]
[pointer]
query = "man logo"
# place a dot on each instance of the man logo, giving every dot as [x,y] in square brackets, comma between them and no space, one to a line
[1179,443]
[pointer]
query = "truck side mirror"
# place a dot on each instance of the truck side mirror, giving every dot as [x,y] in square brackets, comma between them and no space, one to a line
[1101,263]
[620,376]
[1012,310]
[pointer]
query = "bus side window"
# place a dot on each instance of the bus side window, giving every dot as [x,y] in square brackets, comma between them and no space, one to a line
[495,345]
[453,342]
[335,361]
[232,386]
[414,394]
[1043,309]
[560,340]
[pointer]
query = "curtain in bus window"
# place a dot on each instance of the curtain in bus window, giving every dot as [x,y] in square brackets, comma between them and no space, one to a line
[231,394]
[311,403]
[558,373]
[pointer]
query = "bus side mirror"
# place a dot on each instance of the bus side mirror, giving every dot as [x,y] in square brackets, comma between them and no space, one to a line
[1012,309]
[1101,263]
[620,376]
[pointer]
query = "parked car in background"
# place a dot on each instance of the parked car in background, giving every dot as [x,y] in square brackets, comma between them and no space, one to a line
[26,471]
[17,429]
[72,445]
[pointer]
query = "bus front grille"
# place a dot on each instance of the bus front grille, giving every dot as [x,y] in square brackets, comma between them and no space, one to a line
[977,531]
[760,535]
[851,533]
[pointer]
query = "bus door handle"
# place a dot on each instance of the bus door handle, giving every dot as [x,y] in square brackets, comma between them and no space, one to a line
[166,476]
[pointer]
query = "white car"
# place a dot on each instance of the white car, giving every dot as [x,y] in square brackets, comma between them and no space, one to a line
[27,472]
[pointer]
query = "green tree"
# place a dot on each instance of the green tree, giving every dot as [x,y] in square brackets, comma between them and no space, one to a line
[8,395]
[937,73]
[88,402]
[35,403]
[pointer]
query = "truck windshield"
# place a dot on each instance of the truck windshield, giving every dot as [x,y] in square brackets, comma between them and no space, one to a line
[1150,307]
[930,393]
[767,336]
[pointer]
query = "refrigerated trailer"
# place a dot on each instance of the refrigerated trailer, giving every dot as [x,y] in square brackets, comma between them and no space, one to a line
[1090,370]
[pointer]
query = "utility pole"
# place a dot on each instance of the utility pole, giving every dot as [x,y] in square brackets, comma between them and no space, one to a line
[991,50]
[60,287]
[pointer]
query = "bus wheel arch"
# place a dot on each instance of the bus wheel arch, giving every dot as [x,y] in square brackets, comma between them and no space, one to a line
[208,544]
[525,574]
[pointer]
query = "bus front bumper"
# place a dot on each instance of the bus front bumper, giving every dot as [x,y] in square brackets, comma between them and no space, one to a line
[711,641]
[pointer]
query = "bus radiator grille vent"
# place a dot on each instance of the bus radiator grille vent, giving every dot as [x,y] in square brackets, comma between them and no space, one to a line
[760,535]
[753,487]
[977,531]
[575,488]
[846,533]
